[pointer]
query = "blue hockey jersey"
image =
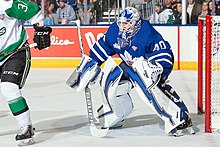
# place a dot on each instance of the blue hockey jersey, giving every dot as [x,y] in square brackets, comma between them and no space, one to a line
[147,42]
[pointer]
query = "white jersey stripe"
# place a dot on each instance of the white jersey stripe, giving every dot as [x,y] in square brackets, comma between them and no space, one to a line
[165,60]
[97,55]
[158,55]
[101,49]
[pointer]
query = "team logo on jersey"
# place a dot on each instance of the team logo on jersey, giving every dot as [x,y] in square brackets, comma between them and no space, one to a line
[2,16]
[127,57]
[2,31]
[115,45]
[134,48]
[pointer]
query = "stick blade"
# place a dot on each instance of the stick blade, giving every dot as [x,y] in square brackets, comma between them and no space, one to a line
[98,132]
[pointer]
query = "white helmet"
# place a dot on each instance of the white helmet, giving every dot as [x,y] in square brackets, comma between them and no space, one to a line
[129,23]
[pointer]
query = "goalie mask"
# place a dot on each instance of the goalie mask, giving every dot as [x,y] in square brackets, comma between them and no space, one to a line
[129,23]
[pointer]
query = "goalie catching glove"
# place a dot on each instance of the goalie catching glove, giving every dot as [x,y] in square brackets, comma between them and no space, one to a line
[42,36]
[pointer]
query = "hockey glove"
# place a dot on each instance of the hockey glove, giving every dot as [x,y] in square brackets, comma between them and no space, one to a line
[42,36]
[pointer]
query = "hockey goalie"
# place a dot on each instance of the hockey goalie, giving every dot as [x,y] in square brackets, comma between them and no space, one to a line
[147,61]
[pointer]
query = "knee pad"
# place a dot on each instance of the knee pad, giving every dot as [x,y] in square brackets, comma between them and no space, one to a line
[10,91]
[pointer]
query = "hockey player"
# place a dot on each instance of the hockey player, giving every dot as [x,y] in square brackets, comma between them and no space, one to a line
[147,61]
[15,63]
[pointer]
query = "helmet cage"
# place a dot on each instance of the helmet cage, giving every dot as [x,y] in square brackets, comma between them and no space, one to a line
[129,23]
[129,15]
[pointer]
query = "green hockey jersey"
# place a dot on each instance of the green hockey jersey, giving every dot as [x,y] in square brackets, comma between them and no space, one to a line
[12,33]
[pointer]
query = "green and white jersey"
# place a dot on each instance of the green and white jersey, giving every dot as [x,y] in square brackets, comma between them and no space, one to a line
[12,33]
[166,17]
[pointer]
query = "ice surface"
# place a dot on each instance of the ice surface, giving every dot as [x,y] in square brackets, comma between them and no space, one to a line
[60,117]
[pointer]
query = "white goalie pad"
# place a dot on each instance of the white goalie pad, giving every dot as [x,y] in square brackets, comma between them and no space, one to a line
[110,77]
[117,103]
[85,72]
[166,109]
[168,106]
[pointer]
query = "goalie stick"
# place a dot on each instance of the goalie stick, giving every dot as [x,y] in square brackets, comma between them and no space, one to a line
[93,128]
[92,121]
[19,49]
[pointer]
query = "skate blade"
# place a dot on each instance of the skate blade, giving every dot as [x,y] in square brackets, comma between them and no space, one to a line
[191,131]
[25,142]
[187,131]
[177,133]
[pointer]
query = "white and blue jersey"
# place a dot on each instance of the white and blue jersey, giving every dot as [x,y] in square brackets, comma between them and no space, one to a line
[147,42]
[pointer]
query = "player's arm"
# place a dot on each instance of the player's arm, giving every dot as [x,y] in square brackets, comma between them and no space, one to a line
[89,68]
[101,50]
[25,10]
[158,49]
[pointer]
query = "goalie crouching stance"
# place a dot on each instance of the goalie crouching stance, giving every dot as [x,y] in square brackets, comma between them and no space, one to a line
[147,63]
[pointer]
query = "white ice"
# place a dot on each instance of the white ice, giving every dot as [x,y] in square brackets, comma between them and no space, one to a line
[60,117]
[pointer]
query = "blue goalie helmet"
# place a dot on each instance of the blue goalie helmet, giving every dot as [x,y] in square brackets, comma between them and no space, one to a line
[129,23]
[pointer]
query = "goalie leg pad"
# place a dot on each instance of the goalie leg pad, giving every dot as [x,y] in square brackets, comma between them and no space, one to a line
[117,103]
[152,96]
[172,95]
[122,105]
[117,114]
[87,71]
[117,108]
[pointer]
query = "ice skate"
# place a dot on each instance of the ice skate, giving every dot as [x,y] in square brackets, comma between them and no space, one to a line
[187,127]
[183,129]
[118,125]
[25,136]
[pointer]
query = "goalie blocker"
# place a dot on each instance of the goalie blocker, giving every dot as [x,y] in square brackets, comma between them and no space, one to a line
[86,72]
